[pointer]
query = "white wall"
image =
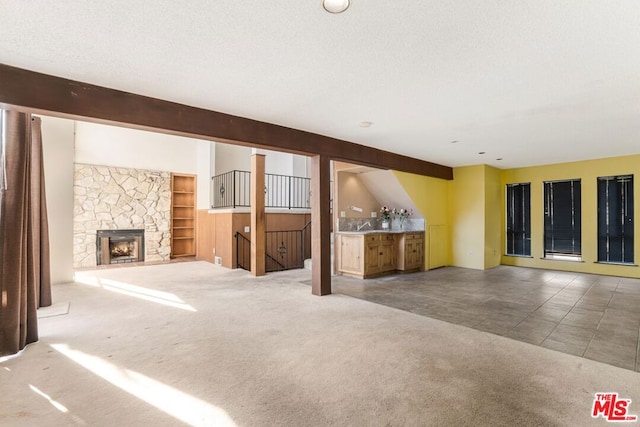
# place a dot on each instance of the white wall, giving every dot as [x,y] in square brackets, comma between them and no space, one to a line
[235,157]
[99,144]
[232,157]
[203,160]
[385,187]
[300,166]
[278,163]
[57,141]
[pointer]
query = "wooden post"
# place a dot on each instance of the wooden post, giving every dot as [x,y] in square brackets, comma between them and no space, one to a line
[257,215]
[320,226]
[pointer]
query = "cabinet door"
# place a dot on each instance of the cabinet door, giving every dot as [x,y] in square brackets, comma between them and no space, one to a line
[409,254]
[419,247]
[413,254]
[372,258]
[387,254]
[351,254]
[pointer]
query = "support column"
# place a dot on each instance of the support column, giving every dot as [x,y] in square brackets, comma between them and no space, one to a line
[257,215]
[320,226]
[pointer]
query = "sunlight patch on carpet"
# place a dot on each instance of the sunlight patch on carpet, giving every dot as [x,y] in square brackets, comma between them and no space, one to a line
[159,297]
[180,405]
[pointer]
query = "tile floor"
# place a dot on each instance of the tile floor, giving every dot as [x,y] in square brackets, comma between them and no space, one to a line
[587,315]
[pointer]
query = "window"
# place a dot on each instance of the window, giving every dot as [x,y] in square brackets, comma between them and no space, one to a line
[615,219]
[519,219]
[562,220]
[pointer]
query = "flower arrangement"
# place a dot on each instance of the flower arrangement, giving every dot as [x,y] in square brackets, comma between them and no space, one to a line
[385,214]
[402,214]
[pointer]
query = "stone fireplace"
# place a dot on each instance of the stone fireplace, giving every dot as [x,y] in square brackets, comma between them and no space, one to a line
[119,246]
[113,199]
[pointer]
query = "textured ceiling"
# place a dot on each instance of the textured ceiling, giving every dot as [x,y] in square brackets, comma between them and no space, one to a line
[531,82]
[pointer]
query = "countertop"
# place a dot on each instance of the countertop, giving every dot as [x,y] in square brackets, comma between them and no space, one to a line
[365,232]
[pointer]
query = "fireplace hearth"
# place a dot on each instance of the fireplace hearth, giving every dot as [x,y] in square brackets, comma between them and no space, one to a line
[119,246]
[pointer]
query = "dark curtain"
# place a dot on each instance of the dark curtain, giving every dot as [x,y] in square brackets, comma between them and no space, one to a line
[519,219]
[25,282]
[563,217]
[615,219]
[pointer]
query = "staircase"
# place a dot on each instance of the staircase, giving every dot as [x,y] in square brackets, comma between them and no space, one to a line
[284,250]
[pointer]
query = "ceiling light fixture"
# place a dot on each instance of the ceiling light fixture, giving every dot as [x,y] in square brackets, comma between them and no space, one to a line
[455,141]
[365,124]
[482,152]
[335,6]
[499,158]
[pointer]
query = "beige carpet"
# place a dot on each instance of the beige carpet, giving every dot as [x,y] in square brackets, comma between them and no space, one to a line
[195,344]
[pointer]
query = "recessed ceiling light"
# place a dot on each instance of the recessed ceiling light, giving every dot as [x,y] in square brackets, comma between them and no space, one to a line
[455,142]
[335,6]
[499,158]
[482,152]
[365,124]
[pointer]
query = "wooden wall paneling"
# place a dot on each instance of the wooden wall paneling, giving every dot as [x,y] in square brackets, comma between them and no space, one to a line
[216,231]
[225,248]
[286,221]
[206,235]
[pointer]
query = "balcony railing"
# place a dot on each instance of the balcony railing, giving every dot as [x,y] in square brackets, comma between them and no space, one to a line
[285,191]
[233,189]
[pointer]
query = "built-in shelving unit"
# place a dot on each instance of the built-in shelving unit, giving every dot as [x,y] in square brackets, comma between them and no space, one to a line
[183,215]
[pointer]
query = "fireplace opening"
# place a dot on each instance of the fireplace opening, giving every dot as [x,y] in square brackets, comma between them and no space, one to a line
[125,249]
[119,246]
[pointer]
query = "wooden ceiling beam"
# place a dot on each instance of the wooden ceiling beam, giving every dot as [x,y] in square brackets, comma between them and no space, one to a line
[42,93]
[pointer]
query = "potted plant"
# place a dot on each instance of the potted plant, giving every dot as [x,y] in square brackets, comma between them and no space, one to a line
[385,217]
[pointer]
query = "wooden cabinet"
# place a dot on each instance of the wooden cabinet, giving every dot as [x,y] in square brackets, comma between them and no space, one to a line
[380,254]
[351,259]
[376,254]
[387,253]
[183,215]
[367,255]
[372,258]
[411,252]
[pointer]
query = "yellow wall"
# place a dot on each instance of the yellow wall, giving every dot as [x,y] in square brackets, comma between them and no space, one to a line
[472,206]
[430,196]
[469,206]
[493,214]
[588,172]
[466,205]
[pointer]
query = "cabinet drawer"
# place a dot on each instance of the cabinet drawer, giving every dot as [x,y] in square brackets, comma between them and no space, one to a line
[371,238]
[413,236]
[386,237]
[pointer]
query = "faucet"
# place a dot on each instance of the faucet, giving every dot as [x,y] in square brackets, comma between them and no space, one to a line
[361,226]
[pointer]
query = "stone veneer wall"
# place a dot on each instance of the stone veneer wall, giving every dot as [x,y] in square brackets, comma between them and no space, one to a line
[110,198]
